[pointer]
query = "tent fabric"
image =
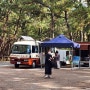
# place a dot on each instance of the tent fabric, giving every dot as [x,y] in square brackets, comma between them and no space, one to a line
[60,41]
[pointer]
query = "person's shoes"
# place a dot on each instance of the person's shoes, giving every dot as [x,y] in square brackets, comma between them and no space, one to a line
[47,76]
[57,68]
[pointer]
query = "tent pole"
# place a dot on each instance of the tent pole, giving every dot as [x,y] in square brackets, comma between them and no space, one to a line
[41,57]
[80,56]
[72,59]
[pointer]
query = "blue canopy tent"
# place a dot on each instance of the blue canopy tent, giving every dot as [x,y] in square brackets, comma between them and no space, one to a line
[60,41]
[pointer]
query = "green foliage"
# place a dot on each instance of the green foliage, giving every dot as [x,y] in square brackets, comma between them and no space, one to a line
[43,18]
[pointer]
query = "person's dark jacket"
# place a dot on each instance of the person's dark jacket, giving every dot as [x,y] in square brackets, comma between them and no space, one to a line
[48,64]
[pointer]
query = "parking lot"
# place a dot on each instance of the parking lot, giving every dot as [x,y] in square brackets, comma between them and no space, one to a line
[26,78]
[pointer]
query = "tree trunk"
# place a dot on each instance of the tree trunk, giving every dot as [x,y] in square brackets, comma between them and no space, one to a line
[81,36]
[52,24]
[68,26]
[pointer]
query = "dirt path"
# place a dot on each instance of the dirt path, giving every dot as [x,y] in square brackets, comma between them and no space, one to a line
[32,79]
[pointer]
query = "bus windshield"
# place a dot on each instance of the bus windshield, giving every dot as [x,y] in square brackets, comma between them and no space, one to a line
[21,49]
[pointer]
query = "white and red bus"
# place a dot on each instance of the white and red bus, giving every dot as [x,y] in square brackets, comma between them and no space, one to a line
[25,52]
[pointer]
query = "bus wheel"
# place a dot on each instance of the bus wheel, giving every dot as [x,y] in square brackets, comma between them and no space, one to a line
[33,64]
[16,65]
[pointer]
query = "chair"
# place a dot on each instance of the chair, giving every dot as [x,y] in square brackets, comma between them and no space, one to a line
[76,61]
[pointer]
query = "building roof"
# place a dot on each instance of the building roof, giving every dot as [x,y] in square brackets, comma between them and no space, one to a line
[84,45]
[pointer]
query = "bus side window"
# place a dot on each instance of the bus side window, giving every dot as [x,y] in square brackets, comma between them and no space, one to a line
[28,49]
[34,49]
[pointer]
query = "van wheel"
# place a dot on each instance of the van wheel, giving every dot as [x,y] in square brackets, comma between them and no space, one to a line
[33,64]
[16,65]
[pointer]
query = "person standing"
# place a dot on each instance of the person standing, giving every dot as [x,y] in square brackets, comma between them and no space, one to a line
[57,58]
[48,64]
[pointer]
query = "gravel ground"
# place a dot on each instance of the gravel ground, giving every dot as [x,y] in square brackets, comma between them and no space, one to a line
[33,79]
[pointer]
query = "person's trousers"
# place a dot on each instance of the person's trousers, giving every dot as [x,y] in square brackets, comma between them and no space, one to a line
[58,64]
